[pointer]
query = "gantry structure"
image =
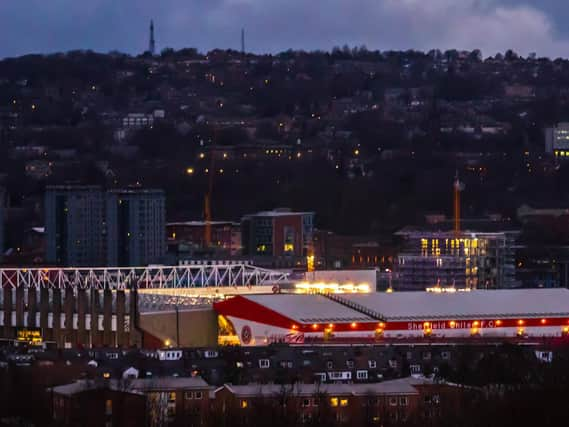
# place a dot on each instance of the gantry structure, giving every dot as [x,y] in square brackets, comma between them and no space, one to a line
[100,306]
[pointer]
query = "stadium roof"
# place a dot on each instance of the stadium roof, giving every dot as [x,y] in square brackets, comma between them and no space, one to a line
[309,308]
[467,305]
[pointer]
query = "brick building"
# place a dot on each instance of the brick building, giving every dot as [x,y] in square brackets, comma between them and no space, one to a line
[225,235]
[389,402]
[277,233]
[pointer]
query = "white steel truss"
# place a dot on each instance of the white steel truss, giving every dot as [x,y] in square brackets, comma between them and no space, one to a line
[186,276]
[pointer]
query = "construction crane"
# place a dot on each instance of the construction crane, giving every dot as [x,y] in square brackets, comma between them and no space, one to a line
[458,187]
[208,196]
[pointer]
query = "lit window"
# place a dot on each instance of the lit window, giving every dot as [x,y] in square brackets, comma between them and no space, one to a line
[244,404]
[172,396]
[334,402]
[288,247]
[343,402]
[108,407]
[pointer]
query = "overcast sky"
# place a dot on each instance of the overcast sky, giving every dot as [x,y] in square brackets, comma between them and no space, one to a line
[41,26]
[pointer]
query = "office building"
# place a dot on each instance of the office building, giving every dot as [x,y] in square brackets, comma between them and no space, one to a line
[74,225]
[557,140]
[136,227]
[277,233]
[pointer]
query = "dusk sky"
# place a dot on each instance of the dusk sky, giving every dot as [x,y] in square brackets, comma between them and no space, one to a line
[43,26]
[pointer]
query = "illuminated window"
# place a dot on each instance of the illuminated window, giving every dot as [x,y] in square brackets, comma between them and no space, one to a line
[108,407]
[288,247]
[244,404]
[334,402]
[172,396]
[343,402]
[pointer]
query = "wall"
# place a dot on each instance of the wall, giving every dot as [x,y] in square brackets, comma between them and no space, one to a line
[197,328]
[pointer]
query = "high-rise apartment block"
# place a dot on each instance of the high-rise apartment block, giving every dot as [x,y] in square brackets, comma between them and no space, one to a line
[86,226]
[136,227]
[74,223]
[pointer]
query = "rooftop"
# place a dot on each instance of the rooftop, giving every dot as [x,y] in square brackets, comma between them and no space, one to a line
[309,308]
[132,386]
[136,191]
[200,223]
[467,227]
[403,386]
[277,212]
[479,304]
[168,383]
[87,385]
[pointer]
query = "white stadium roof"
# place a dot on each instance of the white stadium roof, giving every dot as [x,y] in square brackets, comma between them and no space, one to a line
[309,308]
[474,304]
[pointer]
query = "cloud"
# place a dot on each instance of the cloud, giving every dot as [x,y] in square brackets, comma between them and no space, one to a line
[275,25]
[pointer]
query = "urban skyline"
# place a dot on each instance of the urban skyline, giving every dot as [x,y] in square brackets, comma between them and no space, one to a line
[367,226]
